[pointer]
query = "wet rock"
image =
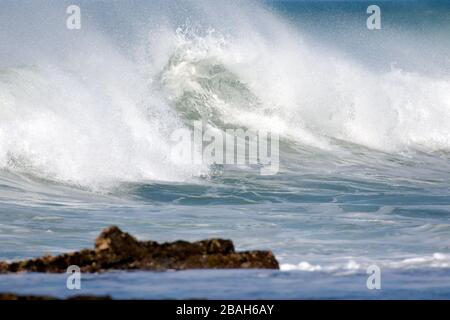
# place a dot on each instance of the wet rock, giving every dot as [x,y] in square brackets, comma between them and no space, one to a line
[118,250]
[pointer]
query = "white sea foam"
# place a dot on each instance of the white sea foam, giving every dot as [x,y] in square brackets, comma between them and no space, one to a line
[307,95]
[100,115]
[85,129]
[435,260]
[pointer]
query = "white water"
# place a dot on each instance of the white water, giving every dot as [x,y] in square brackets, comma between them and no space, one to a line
[436,260]
[100,114]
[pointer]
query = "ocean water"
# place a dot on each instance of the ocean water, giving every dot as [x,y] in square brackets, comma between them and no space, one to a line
[363,118]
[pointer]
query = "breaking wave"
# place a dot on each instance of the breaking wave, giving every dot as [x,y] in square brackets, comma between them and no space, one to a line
[104,114]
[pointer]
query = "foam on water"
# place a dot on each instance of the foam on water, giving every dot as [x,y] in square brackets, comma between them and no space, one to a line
[436,260]
[93,123]
[305,94]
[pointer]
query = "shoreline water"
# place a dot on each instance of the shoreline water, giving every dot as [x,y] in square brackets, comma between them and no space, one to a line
[207,281]
[421,284]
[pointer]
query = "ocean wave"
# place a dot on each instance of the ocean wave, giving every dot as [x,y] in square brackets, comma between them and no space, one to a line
[100,115]
[306,95]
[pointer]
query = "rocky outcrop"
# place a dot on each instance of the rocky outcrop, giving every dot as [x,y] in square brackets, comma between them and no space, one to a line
[117,250]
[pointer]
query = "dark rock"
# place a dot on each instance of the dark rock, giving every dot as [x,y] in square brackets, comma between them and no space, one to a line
[117,250]
[11,297]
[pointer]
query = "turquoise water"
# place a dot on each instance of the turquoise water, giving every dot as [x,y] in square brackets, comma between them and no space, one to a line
[363,118]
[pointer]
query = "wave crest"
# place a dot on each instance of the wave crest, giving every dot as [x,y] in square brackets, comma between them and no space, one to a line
[101,115]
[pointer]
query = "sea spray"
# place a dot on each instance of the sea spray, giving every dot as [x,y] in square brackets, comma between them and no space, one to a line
[101,113]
